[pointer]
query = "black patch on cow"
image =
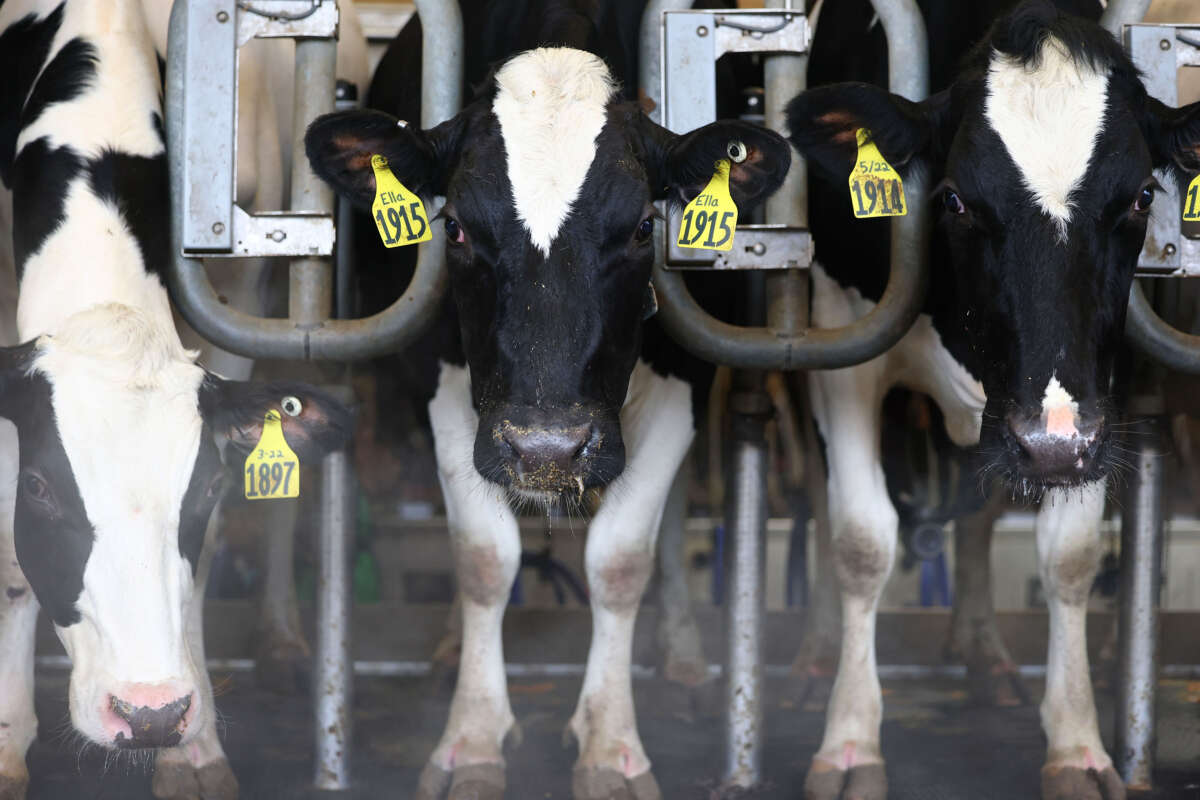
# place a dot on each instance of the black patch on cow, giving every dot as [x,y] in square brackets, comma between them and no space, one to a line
[40,178]
[24,46]
[204,489]
[137,186]
[68,74]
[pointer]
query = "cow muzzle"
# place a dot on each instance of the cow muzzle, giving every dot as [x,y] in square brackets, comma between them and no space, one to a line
[147,716]
[1053,453]
[538,454]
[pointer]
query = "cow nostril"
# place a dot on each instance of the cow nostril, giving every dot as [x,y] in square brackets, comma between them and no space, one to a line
[537,448]
[150,727]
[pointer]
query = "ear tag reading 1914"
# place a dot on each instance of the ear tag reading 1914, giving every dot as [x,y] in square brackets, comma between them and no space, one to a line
[272,468]
[399,214]
[875,187]
[1191,201]
[709,220]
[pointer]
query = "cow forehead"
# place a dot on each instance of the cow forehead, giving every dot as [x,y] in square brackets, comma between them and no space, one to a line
[551,104]
[1049,114]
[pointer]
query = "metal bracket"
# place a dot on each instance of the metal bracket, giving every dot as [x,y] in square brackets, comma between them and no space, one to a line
[1160,51]
[698,39]
[286,19]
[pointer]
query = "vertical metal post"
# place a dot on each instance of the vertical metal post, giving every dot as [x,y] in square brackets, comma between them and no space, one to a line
[333,676]
[1141,562]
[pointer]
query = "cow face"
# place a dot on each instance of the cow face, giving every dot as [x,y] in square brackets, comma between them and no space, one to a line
[549,182]
[1042,153]
[118,430]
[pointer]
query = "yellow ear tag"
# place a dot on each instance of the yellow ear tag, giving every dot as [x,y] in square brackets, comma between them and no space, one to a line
[399,214]
[272,468]
[709,220]
[875,187]
[1191,205]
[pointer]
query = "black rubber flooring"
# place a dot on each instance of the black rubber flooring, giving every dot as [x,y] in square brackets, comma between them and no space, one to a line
[936,746]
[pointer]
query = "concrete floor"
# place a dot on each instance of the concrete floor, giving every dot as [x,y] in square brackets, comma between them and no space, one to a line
[937,748]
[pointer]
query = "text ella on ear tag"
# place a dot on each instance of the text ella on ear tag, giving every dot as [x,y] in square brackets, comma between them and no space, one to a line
[399,214]
[709,220]
[876,189]
[272,468]
[1191,201]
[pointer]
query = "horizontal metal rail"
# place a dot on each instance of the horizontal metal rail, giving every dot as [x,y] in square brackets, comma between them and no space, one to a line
[258,337]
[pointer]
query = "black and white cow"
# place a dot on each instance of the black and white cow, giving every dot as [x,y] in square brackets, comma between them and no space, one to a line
[1042,147]
[557,387]
[111,461]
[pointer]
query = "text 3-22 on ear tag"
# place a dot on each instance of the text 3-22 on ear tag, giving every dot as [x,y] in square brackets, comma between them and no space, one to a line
[709,220]
[1191,201]
[399,214]
[272,468]
[876,189]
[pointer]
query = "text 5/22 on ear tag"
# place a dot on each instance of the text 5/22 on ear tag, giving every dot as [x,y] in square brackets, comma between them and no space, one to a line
[709,220]
[399,214]
[875,187]
[1191,201]
[272,468]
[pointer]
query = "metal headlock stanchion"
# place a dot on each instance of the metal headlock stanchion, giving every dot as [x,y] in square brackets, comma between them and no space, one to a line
[201,111]
[679,47]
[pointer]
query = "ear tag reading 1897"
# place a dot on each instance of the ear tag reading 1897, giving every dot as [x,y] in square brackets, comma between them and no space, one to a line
[272,468]
[1191,201]
[709,220]
[875,187]
[399,214]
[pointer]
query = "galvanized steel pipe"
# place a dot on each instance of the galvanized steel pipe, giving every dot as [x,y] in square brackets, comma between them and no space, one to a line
[650,52]
[1159,341]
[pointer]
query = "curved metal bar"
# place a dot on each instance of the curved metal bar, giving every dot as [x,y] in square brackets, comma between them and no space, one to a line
[770,348]
[1123,12]
[1160,341]
[391,329]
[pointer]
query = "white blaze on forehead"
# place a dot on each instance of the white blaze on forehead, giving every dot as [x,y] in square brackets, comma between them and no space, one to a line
[551,106]
[1059,409]
[1049,117]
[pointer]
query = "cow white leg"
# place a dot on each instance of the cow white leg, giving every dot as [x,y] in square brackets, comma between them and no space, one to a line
[468,761]
[1069,550]
[18,619]
[198,769]
[656,423]
[681,656]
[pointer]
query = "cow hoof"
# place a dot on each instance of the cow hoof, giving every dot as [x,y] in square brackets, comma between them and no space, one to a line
[865,782]
[605,783]
[179,780]
[283,664]
[472,782]
[13,787]
[996,686]
[1073,783]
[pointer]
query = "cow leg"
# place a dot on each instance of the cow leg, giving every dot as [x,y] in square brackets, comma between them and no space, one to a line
[282,659]
[1069,550]
[199,769]
[18,620]
[992,675]
[468,762]
[681,656]
[656,423]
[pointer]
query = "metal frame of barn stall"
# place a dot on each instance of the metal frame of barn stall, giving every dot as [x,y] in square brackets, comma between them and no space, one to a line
[201,132]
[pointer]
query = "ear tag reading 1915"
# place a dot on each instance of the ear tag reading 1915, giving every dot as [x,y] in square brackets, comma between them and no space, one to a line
[709,220]
[272,468]
[1191,201]
[875,187]
[399,214]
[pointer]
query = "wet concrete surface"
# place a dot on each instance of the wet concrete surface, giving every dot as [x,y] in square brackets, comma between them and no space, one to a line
[936,746]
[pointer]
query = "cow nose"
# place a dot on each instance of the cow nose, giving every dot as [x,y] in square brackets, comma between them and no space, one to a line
[1052,456]
[150,724]
[543,451]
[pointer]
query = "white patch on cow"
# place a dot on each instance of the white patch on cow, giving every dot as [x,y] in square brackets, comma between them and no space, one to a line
[551,104]
[115,110]
[1049,117]
[1059,409]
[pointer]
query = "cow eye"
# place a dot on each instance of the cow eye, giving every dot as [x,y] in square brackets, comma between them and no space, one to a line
[1144,200]
[645,230]
[953,203]
[454,231]
[35,488]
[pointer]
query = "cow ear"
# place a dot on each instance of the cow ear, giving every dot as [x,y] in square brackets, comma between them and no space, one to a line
[758,161]
[824,123]
[314,423]
[340,146]
[1174,136]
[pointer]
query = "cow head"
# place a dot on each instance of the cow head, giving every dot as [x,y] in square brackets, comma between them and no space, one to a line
[118,431]
[1042,154]
[549,181]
